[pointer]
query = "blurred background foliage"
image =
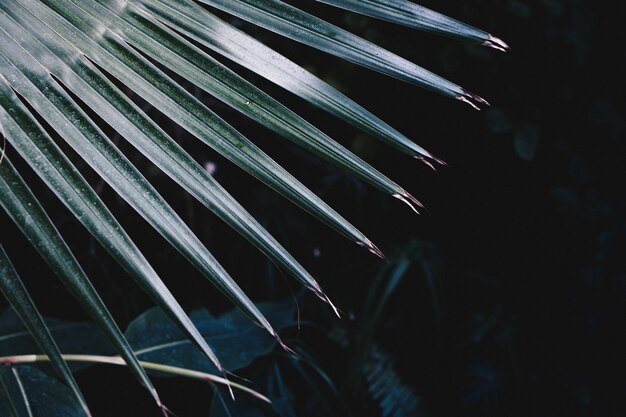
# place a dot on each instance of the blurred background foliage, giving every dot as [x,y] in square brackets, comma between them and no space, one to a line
[506,300]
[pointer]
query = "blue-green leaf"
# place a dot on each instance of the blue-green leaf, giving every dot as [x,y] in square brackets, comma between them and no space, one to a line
[236,340]
[303,27]
[212,32]
[89,84]
[110,51]
[70,336]
[31,393]
[16,293]
[23,208]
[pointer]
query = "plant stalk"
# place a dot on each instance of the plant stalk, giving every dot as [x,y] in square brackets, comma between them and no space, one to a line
[117,360]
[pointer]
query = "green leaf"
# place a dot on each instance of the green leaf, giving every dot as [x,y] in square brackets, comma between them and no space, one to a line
[114,55]
[70,336]
[90,85]
[90,210]
[16,293]
[141,30]
[305,28]
[236,340]
[207,29]
[15,340]
[409,14]
[31,80]
[31,393]
[26,212]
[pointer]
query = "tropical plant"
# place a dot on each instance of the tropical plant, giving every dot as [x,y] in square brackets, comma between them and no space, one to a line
[69,71]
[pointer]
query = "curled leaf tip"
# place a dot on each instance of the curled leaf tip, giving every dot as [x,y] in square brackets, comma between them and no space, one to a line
[230,388]
[496,43]
[367,244]
[285,347]
[473,100]
[322,296]
[426,162]
[439,161]
[335,309]
[410,201]
[223,371]
[330,303]
[280,342]
[431,160]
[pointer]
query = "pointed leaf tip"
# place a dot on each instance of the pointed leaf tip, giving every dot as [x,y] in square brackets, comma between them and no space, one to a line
[164,410]
[430,160]
[497,43]
[410,201]
[473,100]
[280,342]
[326,299]
[367,244]
[427,163]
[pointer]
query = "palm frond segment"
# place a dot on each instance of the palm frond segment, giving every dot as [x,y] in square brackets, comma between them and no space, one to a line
[60,60]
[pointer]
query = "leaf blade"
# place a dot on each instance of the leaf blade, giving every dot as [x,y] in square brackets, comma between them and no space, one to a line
[80,133]
[221,37]
[17,295]
[295,24]
[173,51]
[39,394]
[409,14]
[26,212]
[116,57]
[90,85]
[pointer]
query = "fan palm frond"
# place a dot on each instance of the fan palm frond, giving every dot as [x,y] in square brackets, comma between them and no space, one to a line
[59,57]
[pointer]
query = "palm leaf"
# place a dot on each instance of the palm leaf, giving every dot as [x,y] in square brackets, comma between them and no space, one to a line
[17,294]
[317,33]
[409,14]
[156,40]
[217,35]
[87,139]
[23,208]
[111,165]
[58,56]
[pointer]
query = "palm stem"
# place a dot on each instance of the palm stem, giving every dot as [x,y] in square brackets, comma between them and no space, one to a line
[117,360]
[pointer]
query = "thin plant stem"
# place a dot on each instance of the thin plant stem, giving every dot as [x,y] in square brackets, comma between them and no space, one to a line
[117,360]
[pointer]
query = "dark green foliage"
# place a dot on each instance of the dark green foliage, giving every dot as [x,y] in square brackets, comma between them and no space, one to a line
[237,341]
[521,312]
[392,395]
[32,393]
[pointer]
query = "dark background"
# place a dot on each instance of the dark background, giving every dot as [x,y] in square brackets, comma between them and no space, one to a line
[513,301]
